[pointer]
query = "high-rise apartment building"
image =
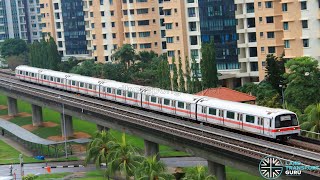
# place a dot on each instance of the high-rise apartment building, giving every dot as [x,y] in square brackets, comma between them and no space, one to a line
[289,28]
[20,19]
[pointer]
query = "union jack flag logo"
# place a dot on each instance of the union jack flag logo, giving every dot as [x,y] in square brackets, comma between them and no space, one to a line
[270,167]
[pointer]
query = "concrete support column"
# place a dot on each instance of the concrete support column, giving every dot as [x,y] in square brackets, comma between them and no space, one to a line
[68,123]
[217,170]
[12,106]
[151,149]
[101,128]
[37,119]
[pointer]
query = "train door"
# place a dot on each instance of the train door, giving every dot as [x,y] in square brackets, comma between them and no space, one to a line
[267,126]
[204,112]
[240,121]
[221,116]
[261,125]
[174,106]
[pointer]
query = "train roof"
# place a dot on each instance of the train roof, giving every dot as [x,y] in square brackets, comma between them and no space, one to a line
[124,86]
[29,69]
[249,109]
[86,79]
[57,74]
[173,95]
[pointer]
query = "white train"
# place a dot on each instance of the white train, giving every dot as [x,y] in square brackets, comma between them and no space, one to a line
[263,121]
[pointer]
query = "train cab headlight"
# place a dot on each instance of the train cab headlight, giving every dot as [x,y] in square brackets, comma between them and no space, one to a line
[279,130]
[294,128]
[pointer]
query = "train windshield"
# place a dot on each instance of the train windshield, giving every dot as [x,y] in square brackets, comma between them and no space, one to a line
[286,120]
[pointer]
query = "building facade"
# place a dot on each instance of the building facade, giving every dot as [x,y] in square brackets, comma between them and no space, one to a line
[20,19]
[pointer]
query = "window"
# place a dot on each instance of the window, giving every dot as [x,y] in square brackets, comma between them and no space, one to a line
[81,84]
[269,19]
[230,115]
[268,4]
[303,5]
[118,92]
[212,111]
[305,42]
[286,44]
[262,49]
[166,102]
[181,105]
[129,94]
[270,34]
[285,26]
[153,99]
[169,39]
[261,34]
[170,53]
[89,86]
[260,121]
[271,49]
[304,24]
[193,40]
[284,7]
[73,83]
[259,4]
[108,90]
[249,119]
[195,53]
[58,79]
[169,26]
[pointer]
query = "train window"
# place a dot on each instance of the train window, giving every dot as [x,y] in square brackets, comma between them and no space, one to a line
[188,106]
[153,99]
[81,84]
[118,92]
[260,121]
[58,79]
[44,77]
[240,117]
[249,119]
[159,100]
[20,72]
[221,113]
[108,90]
[90,86]
[51,78]
[73,83]
[212,111]
[230,115]
[166,102]
[129,94]
[180,104]
[27,73]
[173,103]
[270,123]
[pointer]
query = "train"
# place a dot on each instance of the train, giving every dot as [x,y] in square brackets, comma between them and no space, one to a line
[279,124]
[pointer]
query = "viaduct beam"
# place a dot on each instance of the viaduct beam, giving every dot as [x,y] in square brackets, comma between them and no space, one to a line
[66,125]
[12,106]
[37,118]
[226,158]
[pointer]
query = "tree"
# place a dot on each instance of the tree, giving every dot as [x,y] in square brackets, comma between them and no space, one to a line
[99,148]
[188,76]
[303,87]
[313,121]
[163,79]
[274,71]
[122,158]
[88,68]
[115,71]
[42,54]
[13,47]
[208,66]
[182,84]
[14,61]
[152,169]
[125,54]
[147,56]
[66,66]
[54,58]
[196,84]
[175,86]
[198,173]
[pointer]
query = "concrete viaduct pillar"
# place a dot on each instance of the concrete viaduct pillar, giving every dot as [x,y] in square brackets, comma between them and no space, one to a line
[37,118]
[68,124]
[217,170]
[101,128]
[12,106]
[151,149]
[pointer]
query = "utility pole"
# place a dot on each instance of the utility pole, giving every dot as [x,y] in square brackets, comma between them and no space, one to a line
[21,165]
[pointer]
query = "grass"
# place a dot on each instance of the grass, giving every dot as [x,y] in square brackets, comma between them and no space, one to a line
[3,112]
[94,175]
[52,176]
[234,174]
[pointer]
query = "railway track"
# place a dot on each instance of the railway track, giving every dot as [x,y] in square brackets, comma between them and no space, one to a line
[245,145]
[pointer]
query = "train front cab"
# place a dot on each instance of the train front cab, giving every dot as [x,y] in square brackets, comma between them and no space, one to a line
[286,126]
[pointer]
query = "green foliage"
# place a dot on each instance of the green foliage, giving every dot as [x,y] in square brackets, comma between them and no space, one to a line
[66,66]
[312,122]
[196,84]
[188,76]
[14,61]
[125,54]
[303,87]
[115,72]
[208,66]
[163,74]
[29,177]
[274,72]
[175,86]
[88,68]
[181,77]
[198,173]
[13,47]
[152,169]
[54,58]
[99,148]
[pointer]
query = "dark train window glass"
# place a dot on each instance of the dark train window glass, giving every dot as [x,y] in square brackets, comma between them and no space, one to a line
[58,79]
[27,73]
[249,119]
[73,83]
[230,115]
[51,78]
[118,92]
[90,86]
[286,120]
[108,90]
[20,72]
[153,99]
[212,111]
[44,77]
[166,102]
[129,94]
[181,105]
[81,84]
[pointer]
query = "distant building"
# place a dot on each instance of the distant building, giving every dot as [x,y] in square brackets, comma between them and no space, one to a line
[228,94]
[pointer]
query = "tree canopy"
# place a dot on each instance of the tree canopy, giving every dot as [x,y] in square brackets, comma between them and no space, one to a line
[208,66]
[13,47]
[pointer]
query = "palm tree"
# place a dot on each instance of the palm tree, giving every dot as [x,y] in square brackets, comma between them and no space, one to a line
[122,158]
[198,173]
[99,148]
[152,169]
[312,123]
